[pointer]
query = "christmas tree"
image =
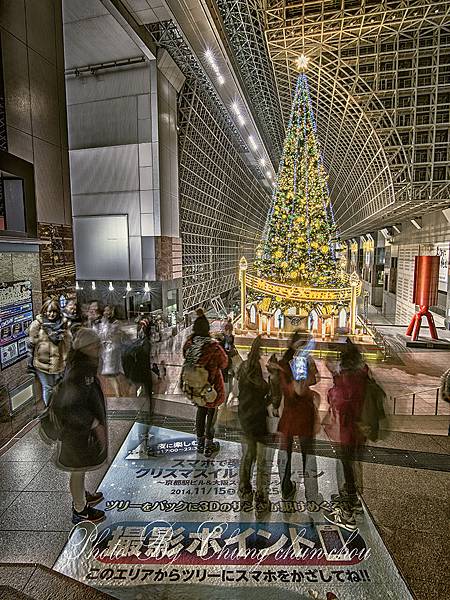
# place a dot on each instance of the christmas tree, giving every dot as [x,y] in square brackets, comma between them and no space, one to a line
[299,238]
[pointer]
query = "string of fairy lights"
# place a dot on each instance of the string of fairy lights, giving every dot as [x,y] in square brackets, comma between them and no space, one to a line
[300,234]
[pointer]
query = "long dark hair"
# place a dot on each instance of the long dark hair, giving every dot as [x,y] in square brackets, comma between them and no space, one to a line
[253,367]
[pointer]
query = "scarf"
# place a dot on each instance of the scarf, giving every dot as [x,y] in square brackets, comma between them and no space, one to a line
[55,330]
[194,352]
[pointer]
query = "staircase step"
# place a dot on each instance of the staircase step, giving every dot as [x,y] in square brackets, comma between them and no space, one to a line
[44,583]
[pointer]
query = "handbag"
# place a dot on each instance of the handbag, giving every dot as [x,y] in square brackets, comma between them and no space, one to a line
[332,425]
[272,421]
[49,425]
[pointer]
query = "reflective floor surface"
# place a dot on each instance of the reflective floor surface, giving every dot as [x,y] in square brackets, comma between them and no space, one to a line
[176,528]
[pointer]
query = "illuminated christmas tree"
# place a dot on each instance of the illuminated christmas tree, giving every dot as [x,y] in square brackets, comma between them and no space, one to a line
[298,242]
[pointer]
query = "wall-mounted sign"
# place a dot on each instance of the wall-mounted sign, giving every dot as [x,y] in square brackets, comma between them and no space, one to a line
[442,250]
[16,315]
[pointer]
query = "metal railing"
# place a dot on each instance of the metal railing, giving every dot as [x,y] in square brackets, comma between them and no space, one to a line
[425,402]
[379,339]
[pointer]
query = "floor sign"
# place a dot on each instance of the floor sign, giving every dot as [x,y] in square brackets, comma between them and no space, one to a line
[177,529]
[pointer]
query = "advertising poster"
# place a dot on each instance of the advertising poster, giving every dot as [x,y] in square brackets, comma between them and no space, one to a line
[442,250]
[16,315]
[177,529]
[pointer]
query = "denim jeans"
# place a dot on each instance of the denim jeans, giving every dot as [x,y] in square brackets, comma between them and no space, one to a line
[205,421]
[348,471]
[48,382]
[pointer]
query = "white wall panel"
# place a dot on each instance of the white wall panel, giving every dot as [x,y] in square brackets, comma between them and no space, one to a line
[74,10]
[146,178]
[148,270]
[117,84]
[104,169]
[147,205]
[135,257]
[106,239]
[111,122]
[145,155]
[147,225]
[111,203]
[148,247]
[144,106]
[96,40]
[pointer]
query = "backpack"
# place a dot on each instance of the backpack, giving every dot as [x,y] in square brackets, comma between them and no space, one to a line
[372,411]
[196,386]
[136,361]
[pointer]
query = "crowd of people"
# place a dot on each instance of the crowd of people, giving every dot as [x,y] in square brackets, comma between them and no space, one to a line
[276,406]
[262,388]
[68,349]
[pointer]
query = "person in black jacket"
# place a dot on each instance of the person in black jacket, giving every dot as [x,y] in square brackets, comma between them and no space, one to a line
[252,413]
[79,408]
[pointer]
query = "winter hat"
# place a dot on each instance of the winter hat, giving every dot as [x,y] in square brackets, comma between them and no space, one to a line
[201,324]
[85,337]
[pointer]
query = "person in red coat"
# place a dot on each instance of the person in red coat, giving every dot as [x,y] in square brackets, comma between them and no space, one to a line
[299,419]
[202,350]
[341,424]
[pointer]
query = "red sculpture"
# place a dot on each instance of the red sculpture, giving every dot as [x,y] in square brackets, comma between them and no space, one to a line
[426,276]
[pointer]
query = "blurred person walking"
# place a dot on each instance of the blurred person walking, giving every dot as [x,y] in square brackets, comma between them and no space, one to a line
[202,381]
[94,313]
[74,315]
[299,418]
[445,390]
[342,424]
[136,361]
[252,412]
[111,336]
[274,370]
[48,346]
[78,408]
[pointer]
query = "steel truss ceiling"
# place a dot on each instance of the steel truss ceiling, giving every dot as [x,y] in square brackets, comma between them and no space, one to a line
[223,205]
[243,21]
[380,80]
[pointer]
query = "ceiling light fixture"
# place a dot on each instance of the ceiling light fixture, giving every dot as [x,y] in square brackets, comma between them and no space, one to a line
[237,112]
[215,67]
[417,222]
[110,287]
[128,288]
[253,144]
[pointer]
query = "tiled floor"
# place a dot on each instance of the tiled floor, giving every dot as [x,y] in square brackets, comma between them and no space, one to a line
[408,505]
[35,503]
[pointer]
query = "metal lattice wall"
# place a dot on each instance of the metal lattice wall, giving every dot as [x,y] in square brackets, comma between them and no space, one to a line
[243,21]
[380,77]
[223,205]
